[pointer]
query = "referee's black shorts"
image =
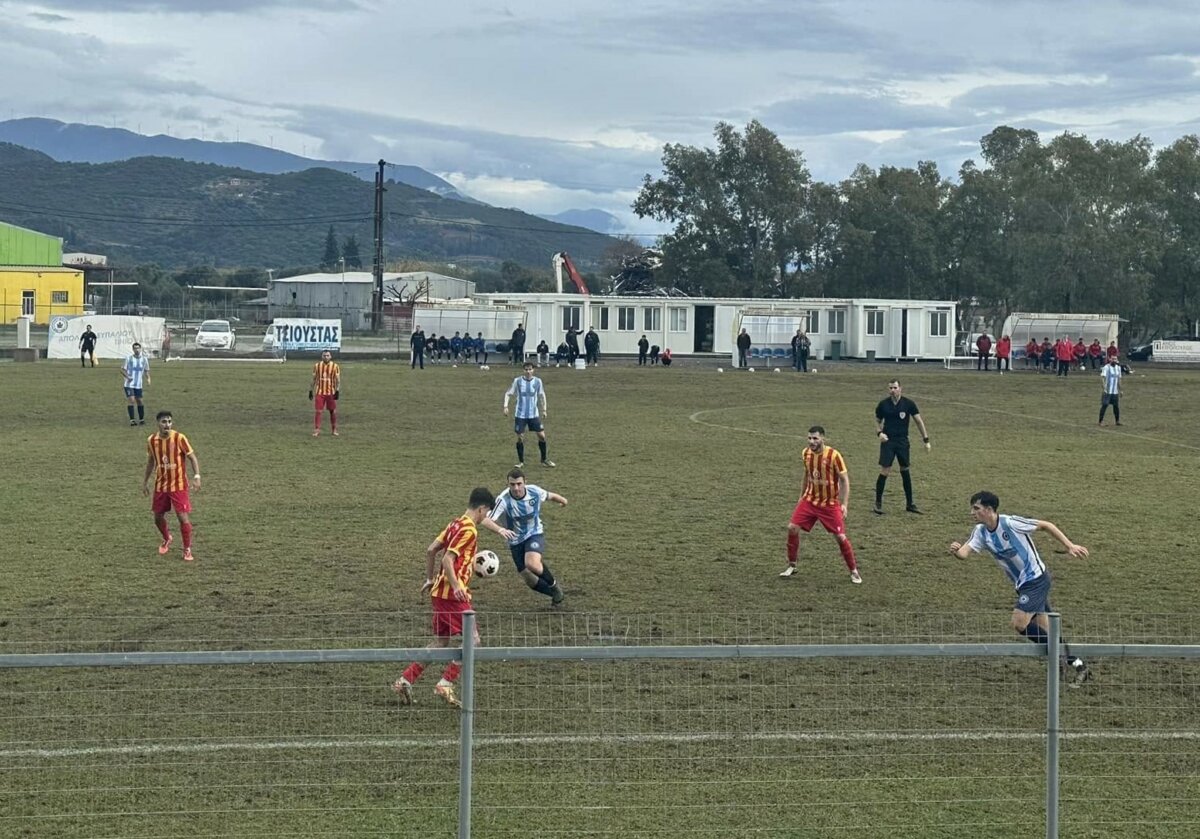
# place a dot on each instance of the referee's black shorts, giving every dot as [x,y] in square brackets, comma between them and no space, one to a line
[893,450]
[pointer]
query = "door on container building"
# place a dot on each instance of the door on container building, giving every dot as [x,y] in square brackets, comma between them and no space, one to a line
[904,318]
[702,339]
[27,302]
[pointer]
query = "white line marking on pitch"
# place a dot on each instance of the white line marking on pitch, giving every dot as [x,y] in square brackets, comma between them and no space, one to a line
[592,739]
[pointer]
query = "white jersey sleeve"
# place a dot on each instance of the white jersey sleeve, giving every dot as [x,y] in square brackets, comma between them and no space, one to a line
[1021,524]
[976,542]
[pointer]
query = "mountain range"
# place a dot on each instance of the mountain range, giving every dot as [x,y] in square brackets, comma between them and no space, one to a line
[79,143]
[179,214]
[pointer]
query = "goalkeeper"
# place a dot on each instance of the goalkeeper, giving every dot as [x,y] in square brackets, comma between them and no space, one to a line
[325,389]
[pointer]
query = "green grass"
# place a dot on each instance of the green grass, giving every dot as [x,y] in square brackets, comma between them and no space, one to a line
[680,482]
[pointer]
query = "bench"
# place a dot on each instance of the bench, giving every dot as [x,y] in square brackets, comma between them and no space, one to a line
[954,362]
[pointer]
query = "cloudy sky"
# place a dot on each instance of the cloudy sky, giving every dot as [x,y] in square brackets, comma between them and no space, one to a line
[554,105]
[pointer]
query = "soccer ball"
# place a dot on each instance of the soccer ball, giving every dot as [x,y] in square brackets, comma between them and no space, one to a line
[720,369]
[749,369]
[484,367]
[486,564]
[454,366]
[776,369]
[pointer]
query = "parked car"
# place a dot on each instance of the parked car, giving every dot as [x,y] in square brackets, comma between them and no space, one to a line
[215,335]
[132,309]
[1145,352]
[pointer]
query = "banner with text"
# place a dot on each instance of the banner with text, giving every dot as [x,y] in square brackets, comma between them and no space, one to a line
[115,335]
[307,334]
[1187,352]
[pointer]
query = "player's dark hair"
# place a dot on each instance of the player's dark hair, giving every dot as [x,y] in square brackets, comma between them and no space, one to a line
[481,497]
[162,414]
[513,474]
[895,382]
[817,429]
[986,499]
[528,365]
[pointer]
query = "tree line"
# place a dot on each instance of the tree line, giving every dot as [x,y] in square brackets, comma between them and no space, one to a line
[1065,226]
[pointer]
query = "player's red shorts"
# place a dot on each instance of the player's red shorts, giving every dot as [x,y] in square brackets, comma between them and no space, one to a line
[807,514]
[164,501]
[325,400]
[447,616]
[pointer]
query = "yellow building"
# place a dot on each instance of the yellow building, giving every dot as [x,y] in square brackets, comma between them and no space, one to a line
[33,280]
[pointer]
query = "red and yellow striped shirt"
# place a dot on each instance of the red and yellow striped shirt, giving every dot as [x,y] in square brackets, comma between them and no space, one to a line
[459,537]
[170,459]
[822,470]
[326,375]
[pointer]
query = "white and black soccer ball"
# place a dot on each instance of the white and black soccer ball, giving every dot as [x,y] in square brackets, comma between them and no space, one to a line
[720,369]
[487,564]
[749,369]
[777,370]
[484,367]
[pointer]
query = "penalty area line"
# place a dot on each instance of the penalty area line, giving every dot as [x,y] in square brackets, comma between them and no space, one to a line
[146,749]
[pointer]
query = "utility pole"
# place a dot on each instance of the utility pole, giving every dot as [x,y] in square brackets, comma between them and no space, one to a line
[377,268]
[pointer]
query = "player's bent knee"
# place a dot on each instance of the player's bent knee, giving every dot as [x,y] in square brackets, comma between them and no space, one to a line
[531,579]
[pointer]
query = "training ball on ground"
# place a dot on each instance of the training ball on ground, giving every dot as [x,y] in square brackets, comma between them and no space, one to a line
[484,367]
[455,366]
[776,369]
[720,369]
[486,564]
[749,369]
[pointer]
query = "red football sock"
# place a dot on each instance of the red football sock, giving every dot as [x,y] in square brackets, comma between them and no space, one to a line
[186,529]
[333,420]
[161,524]
[793,547]
[451,672]
[847,554]
[413,672]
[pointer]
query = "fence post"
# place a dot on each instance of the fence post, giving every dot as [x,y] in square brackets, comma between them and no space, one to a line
[466,726]
[1053,680]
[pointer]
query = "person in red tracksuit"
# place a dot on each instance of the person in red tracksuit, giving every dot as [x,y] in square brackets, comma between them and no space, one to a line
[1003,352]
[1079,354]
[1064,351]
[1112,351]
[1032,353]
[983,346]
[1095,353]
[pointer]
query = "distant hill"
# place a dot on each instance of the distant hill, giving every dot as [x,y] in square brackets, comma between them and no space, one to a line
[180,214]
[598,220]
[79,143]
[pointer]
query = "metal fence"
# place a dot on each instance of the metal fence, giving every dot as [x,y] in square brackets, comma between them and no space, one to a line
[591,725]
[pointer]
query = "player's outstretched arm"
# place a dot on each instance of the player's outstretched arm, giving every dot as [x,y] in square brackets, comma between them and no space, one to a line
[503,532]
[1074,550]
[556,498]
[960,549]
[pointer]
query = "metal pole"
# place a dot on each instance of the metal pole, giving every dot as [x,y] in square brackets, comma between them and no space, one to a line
[466,726]
[1053,653]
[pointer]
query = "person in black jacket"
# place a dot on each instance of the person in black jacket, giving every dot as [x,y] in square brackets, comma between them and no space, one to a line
[573,343]
[743,347]
[591,344]
[87,346]
[643,350]
[517,345]
[417,342]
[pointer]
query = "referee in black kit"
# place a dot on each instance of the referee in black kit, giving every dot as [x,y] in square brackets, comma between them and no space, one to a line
[893,414]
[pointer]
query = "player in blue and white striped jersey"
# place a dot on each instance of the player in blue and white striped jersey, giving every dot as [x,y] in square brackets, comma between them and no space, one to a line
[520,506]
[1111,374]
[136,371]
[1009,540]
[529,411]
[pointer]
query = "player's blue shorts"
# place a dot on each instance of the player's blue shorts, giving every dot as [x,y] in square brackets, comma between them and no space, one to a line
[534,544]
[532,423]
[134,391]
[1034,597]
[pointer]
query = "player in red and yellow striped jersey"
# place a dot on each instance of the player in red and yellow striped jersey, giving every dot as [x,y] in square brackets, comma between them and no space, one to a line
[325,389]
[824,497]
[168,453]
[449,591]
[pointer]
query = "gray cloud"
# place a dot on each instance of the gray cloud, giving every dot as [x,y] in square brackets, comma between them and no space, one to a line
[48,17]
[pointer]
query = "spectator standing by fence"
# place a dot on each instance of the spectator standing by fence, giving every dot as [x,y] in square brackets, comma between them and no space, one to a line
[517,345]
[643,350]
[1003,353]
[417,343]
[743,347]
[591,345]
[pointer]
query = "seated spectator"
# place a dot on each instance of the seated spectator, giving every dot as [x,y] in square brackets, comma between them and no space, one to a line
[1112,351]
[654,353]
[1095,353]
[1048,357]
[1033,354]
[666,357]
[1079,354]
[543,352]
[562,354]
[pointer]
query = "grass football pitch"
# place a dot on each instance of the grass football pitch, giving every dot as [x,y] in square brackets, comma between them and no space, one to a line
[680,482]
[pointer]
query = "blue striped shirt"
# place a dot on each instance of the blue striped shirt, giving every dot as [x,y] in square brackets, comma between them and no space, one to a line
[1012,545]
[523,516]
[528,393]
[136,367]
[1112,379]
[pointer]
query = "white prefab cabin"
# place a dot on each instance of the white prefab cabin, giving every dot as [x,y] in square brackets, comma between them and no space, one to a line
[846,328]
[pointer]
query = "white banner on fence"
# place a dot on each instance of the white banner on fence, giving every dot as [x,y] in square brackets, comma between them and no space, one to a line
[307,334]
[115,335]
[1181,351]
